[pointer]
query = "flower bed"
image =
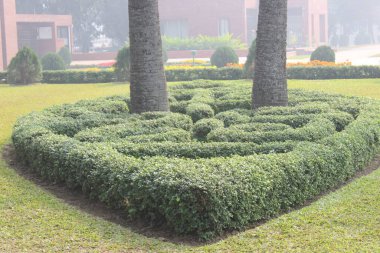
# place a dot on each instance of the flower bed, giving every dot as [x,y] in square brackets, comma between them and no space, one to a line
[211,164]
[318,64]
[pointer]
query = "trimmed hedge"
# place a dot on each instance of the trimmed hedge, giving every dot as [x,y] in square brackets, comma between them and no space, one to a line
[169,170]
[323,53]
[227,73]
[344,72]
[72,76]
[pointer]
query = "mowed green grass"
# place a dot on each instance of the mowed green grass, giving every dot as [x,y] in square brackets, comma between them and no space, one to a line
[32,220]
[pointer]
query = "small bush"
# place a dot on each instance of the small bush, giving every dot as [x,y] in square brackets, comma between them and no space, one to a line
[203,127]
[232,117]
[65,55]
[25,68]
[323,53]
[3,77]
[122,65]
[198,111]
[223,56]
[52,61]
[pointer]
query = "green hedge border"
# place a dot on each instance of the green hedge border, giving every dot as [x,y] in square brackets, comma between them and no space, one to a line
[228,73]
[208,196]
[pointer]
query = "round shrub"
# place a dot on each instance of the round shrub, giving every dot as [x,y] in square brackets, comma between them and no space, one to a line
[65,55]
[122,65]
[25,68]
[53,61]
[198,111]
[223,56]
[323,53]
[203,127]
[232,118]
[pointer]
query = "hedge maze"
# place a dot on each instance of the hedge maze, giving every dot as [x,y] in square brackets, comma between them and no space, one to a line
[212,164]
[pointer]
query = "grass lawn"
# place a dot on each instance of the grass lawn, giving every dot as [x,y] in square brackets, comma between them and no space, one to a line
[32,220]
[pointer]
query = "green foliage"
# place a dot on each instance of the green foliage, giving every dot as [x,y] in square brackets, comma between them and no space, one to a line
[53,61]
[227,73]
[3,77]
[223,56]
[71,224]
[201,42]
[154,166]
[323,53]
[114,17]
[203,127]
[123,63]
[25,68]
[73,76]
[322,73]
[198,111]
[362,38]
[165,56]
[65,54]
[249,64]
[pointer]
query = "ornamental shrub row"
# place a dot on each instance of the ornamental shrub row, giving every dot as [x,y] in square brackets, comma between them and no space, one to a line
[73,76]
[227,73]
[344,72]
[182,179]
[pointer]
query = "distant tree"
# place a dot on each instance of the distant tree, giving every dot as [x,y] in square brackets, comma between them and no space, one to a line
[86,16]
[65,55]
[115,20]
[352,17]
[30,6]
[53,61]
[248,66]
[123,64]
[224,56]
[148,82]
[25,68]
[270,81]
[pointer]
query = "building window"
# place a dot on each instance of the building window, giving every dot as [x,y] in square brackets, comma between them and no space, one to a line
[45,33]
[63,33]
[224,27]
[175,28]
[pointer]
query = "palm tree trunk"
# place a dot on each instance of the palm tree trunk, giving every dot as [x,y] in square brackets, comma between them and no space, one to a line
[148,82]
[270,81]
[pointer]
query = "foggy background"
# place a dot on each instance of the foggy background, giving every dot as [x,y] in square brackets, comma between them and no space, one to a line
[102,25]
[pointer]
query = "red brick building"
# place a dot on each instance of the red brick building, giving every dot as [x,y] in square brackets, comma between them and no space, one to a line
[182,19]
[42,33]
[308,24]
